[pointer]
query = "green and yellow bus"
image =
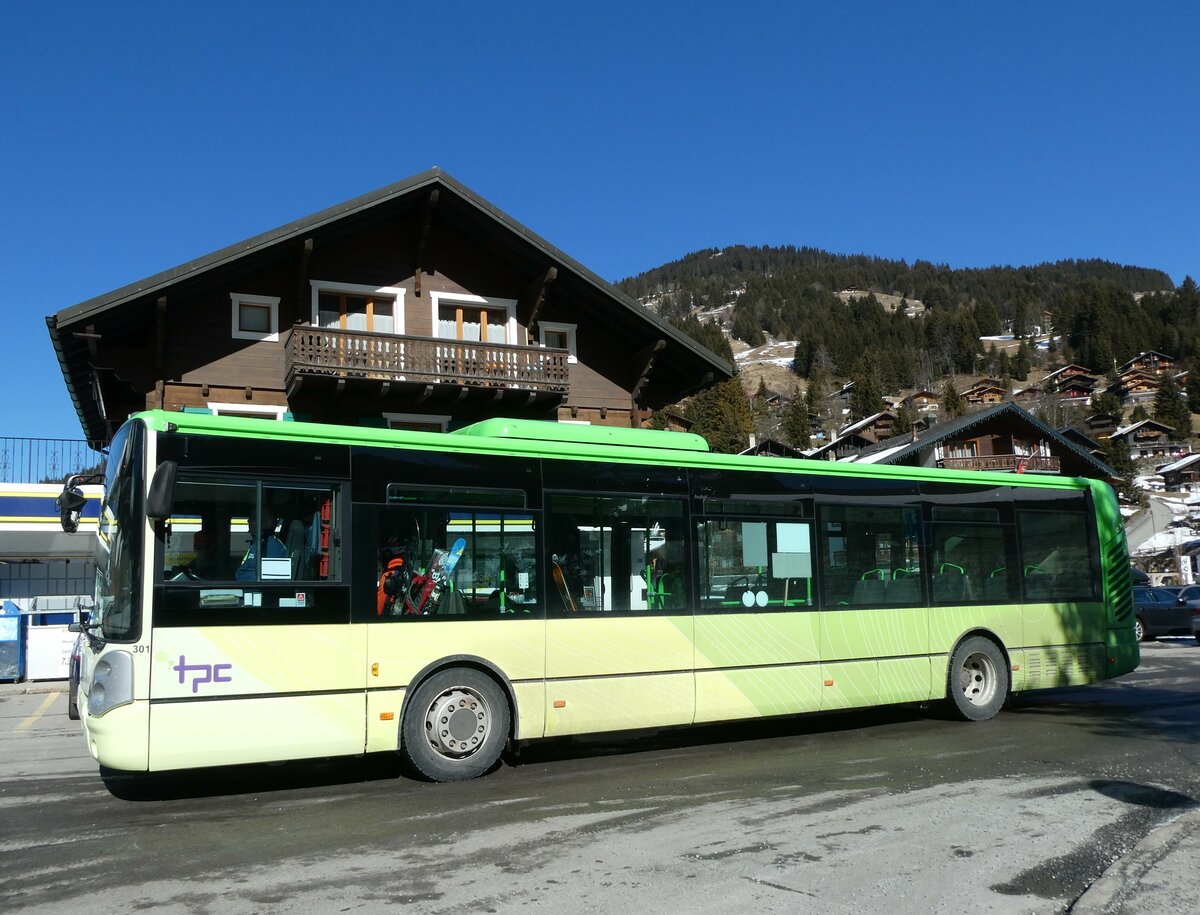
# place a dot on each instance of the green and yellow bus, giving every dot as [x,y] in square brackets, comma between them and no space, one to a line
[277,590]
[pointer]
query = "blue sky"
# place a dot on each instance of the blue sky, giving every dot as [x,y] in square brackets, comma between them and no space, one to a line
[138,136]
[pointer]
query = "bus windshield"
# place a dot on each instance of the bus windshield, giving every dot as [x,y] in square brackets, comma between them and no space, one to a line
[118,546]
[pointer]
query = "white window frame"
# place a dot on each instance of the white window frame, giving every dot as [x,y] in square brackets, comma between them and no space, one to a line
[426,418]
[396,292]
[509,306]
[268,411]
[238,299]
[568,329]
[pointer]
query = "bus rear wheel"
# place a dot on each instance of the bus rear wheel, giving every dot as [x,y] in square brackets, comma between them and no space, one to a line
[455,725]
[978,682]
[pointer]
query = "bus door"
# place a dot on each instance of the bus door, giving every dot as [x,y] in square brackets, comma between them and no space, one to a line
[874,617]
[458,584]
[619,630]
[253,655]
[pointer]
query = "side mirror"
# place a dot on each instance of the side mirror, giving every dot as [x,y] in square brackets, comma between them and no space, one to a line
[70,504]
[162,491]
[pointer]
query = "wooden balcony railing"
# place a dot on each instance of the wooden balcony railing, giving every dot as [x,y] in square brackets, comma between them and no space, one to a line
[324,352]
[1005,462]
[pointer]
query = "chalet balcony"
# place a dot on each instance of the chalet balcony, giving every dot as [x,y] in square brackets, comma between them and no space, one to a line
[359,358]
[1004,463]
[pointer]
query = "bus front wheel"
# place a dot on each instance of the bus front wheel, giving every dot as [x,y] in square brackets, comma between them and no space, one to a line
[978,679]
[455,725]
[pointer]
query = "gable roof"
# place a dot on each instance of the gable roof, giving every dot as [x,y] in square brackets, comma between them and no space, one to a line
[1125,430]
[1152,354]
[865,423]
[1180,464]
[455,202]
[886,453]
[1073,365]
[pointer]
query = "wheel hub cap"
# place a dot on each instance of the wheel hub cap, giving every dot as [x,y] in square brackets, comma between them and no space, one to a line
[978,679]
[457,722]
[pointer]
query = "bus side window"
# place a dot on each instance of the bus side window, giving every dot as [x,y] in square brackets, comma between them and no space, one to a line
[755,565]
[445,563]
[616,554]
[304,520]
[1056,559]
[871,556]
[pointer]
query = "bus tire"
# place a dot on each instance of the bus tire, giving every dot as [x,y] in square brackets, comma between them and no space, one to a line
[978,681]
[455,725]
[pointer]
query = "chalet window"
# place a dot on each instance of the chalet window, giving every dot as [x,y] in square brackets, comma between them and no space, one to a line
[558,336]
[416,422]
[248,410]
[255,317]
[341,306]
[473,318]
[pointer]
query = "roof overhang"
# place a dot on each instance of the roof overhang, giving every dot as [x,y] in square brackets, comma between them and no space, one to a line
[681,358]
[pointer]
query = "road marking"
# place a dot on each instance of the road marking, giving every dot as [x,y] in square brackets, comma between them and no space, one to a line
[41,710]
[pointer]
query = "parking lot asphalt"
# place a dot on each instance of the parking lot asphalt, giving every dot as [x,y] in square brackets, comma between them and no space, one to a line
[1154,876]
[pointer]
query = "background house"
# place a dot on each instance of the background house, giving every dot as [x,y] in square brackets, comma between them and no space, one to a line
[1150,439]
[419,305]
[1004,438]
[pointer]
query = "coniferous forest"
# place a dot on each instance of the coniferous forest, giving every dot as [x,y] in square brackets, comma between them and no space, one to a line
[897,325]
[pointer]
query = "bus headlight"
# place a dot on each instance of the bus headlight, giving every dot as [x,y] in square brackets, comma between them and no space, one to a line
[112,683]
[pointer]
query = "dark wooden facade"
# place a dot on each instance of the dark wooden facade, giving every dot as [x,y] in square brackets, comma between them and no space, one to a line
[372,312]
[1004,438]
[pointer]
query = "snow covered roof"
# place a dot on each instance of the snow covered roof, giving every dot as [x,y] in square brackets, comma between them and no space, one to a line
[1180,464]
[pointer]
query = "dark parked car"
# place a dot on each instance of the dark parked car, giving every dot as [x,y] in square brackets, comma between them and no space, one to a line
[1190,595]
[1160,612]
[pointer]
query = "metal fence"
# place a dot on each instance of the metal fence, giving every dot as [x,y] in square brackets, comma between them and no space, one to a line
[45,460]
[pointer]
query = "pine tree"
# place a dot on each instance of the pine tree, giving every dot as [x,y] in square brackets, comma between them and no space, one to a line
[952,402]
[1105,403]
[761,418]
[1021,363]
[1193,391]
[796,428]
[1116,455]
[722,416]
[1170,410]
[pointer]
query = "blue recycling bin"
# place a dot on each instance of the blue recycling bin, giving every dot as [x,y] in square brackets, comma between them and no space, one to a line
[12,642]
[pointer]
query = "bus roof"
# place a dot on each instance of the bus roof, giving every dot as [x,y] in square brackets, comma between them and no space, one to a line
[539,438]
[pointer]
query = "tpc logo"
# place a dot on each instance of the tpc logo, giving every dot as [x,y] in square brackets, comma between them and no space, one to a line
[202,673]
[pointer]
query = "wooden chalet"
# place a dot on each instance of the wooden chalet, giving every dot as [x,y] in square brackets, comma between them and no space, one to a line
[1135,386]
[1076,390]
[874,428]
[1101,425]
[1029,396]
[419,305]
[1058,376]
[773,448]
[1005,438]
[1152,361]
[1151,439]
[985,393]
[1184,472]
[923,402]
[857,436]
[840,448]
